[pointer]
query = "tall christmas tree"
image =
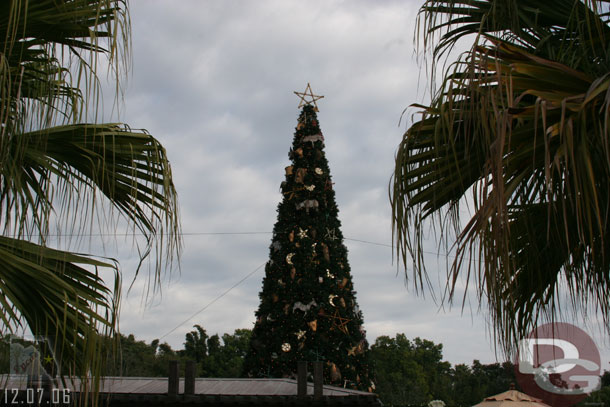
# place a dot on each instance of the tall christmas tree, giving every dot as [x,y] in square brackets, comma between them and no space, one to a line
[308,308]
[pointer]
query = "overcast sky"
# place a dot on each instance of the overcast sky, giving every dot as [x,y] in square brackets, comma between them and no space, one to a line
[214,81]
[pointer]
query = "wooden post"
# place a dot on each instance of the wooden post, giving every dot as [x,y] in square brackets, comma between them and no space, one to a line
[301,378]
[189,377]
[318,380]
[173,380]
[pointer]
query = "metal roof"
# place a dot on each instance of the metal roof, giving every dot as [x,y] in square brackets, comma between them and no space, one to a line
[206,386]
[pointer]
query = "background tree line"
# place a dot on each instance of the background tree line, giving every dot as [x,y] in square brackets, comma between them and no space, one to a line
[407,372]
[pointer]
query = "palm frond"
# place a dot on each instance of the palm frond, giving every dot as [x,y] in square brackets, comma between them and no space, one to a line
[58,298]
[524,132]
[55,164]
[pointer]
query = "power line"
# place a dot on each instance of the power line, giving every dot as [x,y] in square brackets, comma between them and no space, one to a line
[368,242]
[250,273]
[214,300]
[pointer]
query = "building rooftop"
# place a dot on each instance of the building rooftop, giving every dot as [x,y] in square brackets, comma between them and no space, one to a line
[153,391]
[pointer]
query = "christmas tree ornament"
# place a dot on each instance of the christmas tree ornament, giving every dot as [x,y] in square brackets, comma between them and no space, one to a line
[310,188]
[329,274]
[302,233]
[286,309]
[343,283]
[291,236]
[300,175]
[313,138]
[307,98]
[313,325]
[308,204]
[335,373]
[281,282]
[318,171]
[320,279]
[313,249]
[351,351]
[361,347]
[289,257]
[299,152]
[275,298]
[293,273]
[289,170]
[304,307]
[331,299]
[325,252]
[342,302]
[331,234]
[339,322]
[300,334]
[300,125]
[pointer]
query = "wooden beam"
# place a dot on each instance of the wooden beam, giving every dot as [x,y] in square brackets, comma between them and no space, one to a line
[318,380]
[173,381]
[302,378]
[189,377]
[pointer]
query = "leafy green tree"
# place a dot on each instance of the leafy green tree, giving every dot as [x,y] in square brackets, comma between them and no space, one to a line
[195,346]
[401,380]
[600,397]
[413,373]
[135,358]
[58,165]
[410,372]
[227,360]
[463,382]
[518,130]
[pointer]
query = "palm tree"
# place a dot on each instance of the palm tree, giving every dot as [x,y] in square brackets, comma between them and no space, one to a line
[518,130]
[58,166]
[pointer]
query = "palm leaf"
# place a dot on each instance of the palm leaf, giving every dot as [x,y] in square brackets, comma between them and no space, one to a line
[54,165]
[519,124]
[59,299]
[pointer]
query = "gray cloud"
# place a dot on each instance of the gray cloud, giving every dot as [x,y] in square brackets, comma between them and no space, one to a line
[213,80]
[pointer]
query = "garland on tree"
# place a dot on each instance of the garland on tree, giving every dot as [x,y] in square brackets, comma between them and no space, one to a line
[308,309]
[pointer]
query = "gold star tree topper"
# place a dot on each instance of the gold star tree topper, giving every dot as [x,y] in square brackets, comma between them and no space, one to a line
[308,98]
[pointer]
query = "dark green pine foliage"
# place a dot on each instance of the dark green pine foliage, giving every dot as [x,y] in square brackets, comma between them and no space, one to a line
[308,309]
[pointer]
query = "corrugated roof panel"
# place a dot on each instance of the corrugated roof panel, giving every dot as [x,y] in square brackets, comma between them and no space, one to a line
[210,386]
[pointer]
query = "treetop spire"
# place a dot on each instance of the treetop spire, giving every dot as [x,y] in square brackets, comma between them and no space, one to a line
[304,95]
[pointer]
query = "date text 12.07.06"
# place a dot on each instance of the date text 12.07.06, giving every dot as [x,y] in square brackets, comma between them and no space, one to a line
[35,397]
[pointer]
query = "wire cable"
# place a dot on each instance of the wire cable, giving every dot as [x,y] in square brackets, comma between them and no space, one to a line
[214,300]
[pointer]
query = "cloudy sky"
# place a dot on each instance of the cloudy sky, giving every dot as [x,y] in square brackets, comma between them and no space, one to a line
[214,81]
